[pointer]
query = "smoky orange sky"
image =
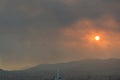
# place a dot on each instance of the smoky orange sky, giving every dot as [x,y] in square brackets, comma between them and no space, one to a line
[80,37]
[34,32]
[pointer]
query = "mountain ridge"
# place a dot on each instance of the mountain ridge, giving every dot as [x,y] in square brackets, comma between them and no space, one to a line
[76,70]
[92,66]
[111,66]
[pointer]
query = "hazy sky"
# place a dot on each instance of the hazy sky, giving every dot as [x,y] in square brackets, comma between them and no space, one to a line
[33,32]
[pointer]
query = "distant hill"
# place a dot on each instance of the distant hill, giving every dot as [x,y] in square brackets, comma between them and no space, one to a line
[1,70]
[111,66]
[79,70]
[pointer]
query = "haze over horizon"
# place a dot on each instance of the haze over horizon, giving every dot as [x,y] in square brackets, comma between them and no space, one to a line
[36,32]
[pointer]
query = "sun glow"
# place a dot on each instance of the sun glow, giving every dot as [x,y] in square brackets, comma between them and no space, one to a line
[97,38]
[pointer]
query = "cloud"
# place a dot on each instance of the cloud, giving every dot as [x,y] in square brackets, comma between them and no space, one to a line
[80,37]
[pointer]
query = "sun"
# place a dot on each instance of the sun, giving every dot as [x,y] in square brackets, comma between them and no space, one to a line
[97,38]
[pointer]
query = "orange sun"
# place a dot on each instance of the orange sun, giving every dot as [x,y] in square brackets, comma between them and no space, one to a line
[97,38]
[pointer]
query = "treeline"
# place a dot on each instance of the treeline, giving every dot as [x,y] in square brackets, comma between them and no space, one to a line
[45,77]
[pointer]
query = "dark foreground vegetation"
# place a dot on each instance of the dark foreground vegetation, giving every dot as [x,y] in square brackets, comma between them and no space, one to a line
[50,76]
[28,77]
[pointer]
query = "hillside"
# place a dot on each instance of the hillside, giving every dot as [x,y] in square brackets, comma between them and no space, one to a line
[82,70]
[111,66]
